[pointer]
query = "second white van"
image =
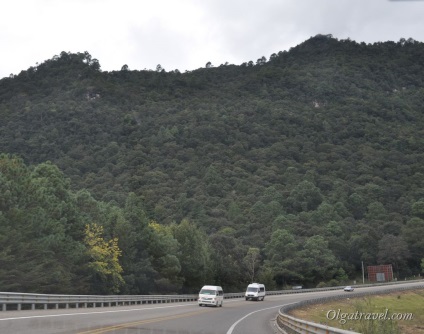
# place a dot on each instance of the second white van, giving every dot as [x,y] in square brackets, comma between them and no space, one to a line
[255,291]
[211,295]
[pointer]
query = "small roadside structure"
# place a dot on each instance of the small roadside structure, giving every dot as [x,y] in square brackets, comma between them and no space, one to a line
[380,273]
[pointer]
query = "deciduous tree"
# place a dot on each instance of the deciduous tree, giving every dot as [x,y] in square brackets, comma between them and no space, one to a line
[104,260]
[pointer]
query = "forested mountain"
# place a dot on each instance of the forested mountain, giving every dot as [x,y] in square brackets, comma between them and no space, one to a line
[288,170]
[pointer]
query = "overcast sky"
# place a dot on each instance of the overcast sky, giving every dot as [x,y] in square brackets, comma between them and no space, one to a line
[186,34]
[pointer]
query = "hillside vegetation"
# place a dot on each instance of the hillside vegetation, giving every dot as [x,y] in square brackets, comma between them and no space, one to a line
[288,170]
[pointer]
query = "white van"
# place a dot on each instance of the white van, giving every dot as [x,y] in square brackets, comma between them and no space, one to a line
[255,291]
[211,295]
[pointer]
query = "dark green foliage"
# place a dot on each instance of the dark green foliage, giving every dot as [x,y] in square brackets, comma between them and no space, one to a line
[324,140]
[39,246]
[194,256]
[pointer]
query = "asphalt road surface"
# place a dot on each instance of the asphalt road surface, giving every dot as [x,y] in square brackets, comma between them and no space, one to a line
[237,316]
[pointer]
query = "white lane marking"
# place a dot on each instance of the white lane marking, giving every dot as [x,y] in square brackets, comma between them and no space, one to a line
[230,331]
[96,312]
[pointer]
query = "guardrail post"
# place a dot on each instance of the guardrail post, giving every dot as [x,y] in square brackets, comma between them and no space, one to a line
[3,308]
[19,306]
[33,307]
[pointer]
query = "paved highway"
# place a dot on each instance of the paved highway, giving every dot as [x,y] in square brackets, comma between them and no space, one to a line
[237,316]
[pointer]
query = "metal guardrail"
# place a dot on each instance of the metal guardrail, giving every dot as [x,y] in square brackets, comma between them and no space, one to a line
[294,325]
[20,301]
[289,324]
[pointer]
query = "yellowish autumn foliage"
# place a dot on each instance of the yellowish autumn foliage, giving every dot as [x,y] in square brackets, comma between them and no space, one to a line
[104,255]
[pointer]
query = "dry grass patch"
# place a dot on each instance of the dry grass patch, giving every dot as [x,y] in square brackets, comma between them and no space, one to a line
[371,315]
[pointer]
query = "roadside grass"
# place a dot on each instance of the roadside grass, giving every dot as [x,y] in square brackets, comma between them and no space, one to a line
[371,315]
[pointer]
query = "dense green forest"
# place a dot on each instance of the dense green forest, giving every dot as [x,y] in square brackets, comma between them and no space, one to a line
[290,170]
